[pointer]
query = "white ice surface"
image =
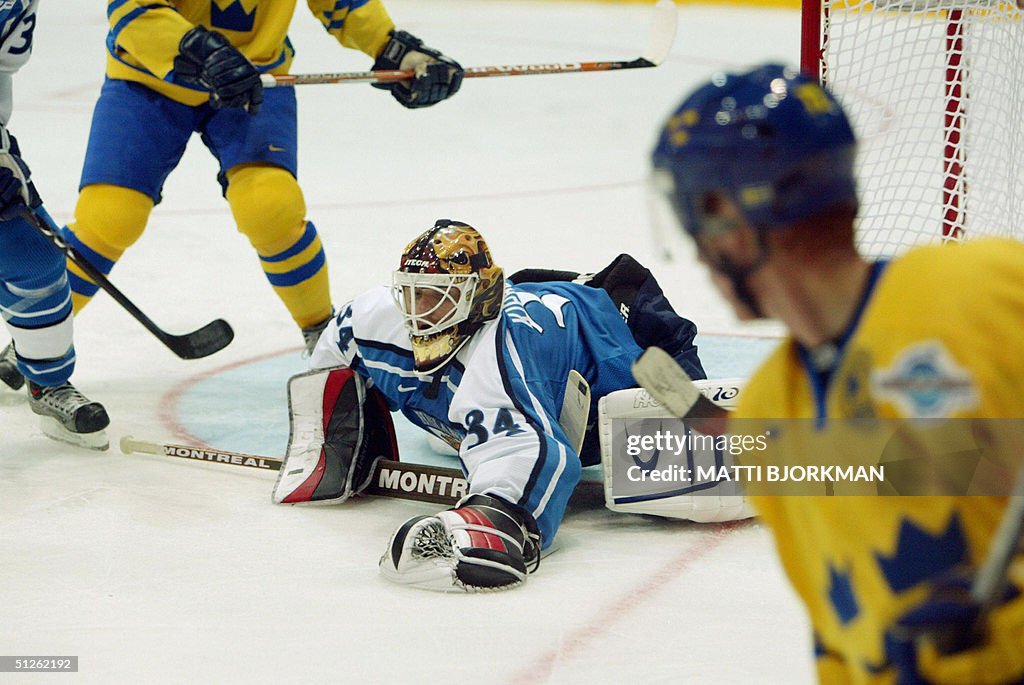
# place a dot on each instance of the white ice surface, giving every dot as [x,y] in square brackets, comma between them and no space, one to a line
[156,571]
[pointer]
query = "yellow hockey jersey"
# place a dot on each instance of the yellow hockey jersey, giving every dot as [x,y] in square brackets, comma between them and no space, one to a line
[144,34]
[941,334]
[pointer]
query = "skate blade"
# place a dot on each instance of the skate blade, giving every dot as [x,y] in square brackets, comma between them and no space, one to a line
[90,441]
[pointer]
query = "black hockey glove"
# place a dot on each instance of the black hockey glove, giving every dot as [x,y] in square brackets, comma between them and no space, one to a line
[437,77]
[16,190]
[207,59]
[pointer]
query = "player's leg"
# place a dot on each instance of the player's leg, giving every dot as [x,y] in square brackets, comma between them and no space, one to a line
[269,209]
[258,162]
[108,220]
[137,138]
[35,300]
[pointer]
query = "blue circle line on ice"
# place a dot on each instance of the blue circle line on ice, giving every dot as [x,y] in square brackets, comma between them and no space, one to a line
[243,406]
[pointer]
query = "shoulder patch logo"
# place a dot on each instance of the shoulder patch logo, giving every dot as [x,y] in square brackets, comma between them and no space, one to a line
[515,308]
[924,381]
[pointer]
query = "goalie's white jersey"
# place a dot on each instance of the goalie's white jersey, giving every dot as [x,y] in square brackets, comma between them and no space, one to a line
[17,22]
[499,399]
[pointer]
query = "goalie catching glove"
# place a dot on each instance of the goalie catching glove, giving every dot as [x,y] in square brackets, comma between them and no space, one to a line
[340,429]
[484,544]
[437,77]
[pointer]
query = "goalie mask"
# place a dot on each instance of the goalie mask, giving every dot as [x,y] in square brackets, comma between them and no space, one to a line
[446,286]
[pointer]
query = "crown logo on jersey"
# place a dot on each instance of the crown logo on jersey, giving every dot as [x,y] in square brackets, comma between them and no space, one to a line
[920,555]
[233,17]
[840,594]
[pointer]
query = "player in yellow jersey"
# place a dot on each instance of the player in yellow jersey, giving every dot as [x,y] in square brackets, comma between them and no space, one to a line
[176,67]
[758,168]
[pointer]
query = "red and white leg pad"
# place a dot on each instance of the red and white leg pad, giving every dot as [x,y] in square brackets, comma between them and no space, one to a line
[340,429]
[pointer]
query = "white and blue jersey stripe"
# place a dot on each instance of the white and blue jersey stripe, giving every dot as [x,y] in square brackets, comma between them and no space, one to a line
[500,397]
[17,22]
[35,299]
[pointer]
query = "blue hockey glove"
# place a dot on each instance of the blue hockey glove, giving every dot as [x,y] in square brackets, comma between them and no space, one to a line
[16,190]
[937,642]
[206,59]
[437,77]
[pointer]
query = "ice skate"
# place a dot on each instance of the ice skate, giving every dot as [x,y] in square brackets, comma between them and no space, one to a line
[69,416]
[311,334]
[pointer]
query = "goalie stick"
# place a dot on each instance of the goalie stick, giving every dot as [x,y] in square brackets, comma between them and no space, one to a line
[662,35]
[203,342]
[398,479]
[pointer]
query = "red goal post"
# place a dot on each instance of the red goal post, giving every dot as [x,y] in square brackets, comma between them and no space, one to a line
[935,90]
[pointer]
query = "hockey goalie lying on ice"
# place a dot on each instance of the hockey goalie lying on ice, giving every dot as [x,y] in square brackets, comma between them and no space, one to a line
[506,372]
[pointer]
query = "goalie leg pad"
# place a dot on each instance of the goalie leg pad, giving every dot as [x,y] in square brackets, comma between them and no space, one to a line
[340,429]
[484,544]
[621,417]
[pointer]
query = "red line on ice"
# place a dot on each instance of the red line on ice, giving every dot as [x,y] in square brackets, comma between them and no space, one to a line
[618,610]
[168,409]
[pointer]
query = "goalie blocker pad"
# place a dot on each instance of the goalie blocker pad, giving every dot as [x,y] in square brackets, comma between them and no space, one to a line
[339,430]
[630,482]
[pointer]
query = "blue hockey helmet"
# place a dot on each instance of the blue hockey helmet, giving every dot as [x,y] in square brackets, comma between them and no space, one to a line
[772,140]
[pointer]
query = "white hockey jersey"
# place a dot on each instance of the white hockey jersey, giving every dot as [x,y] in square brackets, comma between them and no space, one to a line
[499,399]
[17,21]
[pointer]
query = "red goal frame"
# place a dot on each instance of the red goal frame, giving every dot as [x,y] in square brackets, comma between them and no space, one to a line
[814,33]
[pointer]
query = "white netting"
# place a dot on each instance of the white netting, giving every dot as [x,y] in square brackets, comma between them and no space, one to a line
[934,89]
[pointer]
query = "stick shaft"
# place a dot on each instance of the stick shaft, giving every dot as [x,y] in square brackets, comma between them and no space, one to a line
[130,445]
[400,480]
[211,338]
[382,76]
[991,578]
[659,44]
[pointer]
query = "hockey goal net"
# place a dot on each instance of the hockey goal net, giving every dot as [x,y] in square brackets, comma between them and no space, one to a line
[935,91]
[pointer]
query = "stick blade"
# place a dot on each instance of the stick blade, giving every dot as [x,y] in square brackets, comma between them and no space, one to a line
[658,373]
[663,32]
[211,338]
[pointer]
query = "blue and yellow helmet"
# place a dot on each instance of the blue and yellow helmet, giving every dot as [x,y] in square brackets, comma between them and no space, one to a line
[770,139]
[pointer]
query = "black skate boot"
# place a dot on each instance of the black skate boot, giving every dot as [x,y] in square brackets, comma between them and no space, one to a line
[70,416]
[9,373]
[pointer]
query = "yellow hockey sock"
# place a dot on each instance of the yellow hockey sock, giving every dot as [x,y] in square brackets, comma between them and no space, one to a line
[269,209]
[108,220]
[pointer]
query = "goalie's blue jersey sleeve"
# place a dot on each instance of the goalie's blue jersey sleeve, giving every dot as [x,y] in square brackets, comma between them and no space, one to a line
[499,399]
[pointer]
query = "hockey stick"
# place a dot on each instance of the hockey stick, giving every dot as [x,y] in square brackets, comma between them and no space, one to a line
[663,34]
[659,374]
[992,576]
[203,342]
[398,479]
